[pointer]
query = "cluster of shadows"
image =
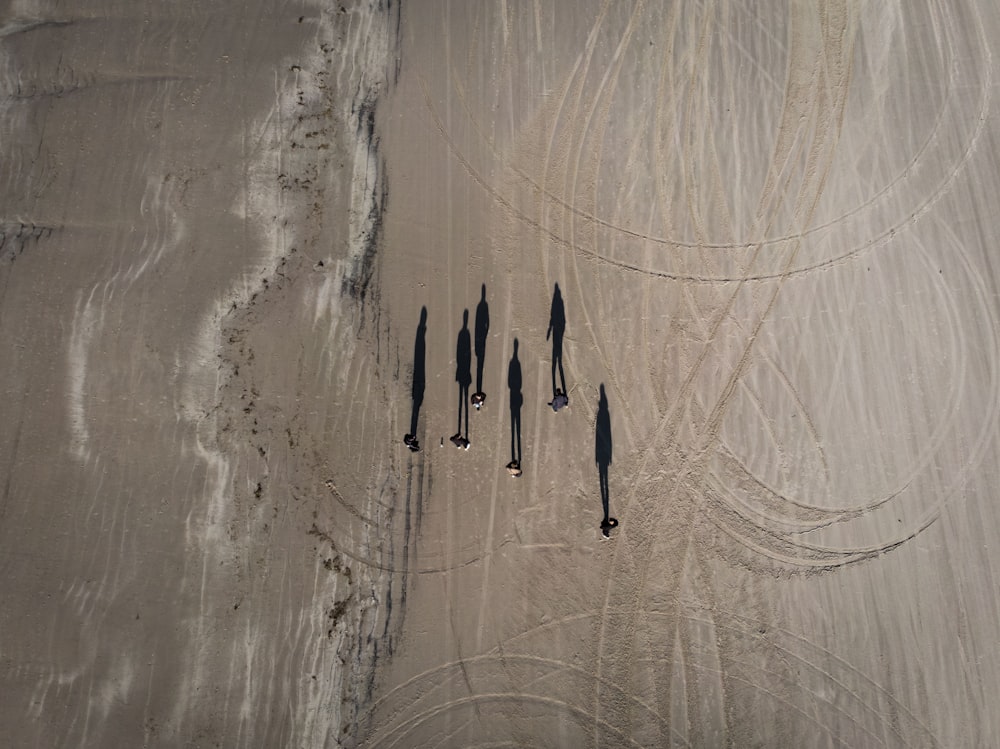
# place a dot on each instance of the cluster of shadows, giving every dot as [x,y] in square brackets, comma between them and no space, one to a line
[463,376]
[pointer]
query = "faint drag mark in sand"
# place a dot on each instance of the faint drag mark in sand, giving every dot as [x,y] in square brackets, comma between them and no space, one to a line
[82,330]
[557,709]
[428,692]
[24,25]
[425,704]
[24,86]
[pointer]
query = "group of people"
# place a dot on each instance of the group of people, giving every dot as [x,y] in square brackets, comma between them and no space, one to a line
[463,376]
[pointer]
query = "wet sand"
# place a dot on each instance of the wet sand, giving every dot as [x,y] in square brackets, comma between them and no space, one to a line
[188,197]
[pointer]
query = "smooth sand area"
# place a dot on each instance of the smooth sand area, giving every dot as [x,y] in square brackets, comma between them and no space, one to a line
[757,245]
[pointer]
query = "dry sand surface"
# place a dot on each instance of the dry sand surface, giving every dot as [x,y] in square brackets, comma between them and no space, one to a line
[758,241]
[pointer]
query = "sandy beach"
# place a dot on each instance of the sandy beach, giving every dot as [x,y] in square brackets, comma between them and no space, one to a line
[244,250]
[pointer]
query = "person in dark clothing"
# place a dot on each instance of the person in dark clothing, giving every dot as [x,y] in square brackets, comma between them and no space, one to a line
[603,456]
[463,376]
[419,381]
[482,331]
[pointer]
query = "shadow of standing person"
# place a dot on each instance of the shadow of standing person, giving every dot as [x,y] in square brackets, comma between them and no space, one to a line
[516,401]
[557,327]
[603,457]
[419,380]
[482,330]
[463,376]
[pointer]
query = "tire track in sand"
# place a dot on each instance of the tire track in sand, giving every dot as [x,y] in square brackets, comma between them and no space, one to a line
[771,531]
[631,563]
[935,136]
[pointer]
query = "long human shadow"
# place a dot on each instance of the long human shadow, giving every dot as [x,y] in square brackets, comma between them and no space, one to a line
[603,456]
[557,328]
[482,330]
[516,401]
[463,373]
[419,380]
